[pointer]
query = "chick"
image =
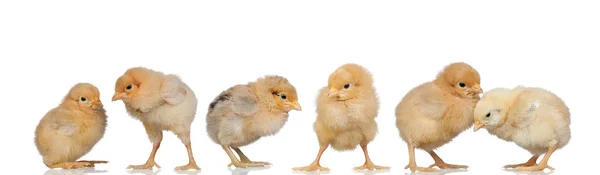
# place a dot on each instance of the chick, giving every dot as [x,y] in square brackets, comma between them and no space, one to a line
[346,111]
[244,113]
[533,118]
[433,113]
[161,102]
[71,130]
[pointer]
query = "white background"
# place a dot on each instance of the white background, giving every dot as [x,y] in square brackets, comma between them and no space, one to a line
[48,46]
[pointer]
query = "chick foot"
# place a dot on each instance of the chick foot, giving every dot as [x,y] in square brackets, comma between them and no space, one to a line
[312,167]
[530,162]
[147,166]
[245,165]
[72,165]
[189,166]
[538,167]
[93,162]
[371,166]
[444,165]
[414,168]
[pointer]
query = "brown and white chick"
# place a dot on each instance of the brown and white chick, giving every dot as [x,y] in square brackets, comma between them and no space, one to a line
[243,114]
[433,113]
[346,111]
[161,102]
[533,118]
[71,130]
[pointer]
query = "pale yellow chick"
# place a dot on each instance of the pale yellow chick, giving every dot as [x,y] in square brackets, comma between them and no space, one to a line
[161,102]
[433,113]
[346,111]
[533,118]
[244,113]
[71,130]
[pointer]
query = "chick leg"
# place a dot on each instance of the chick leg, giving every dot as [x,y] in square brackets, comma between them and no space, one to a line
[315,165]
[412,163]
[441,164]
[530,162]
[156,137]
[71,165]
[185,138]
[245,159]
[234,161]
[368,163]
[543,164]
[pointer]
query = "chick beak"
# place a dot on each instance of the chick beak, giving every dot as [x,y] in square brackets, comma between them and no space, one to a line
[333,93]
[118,96]
[477,89]
[478,125]
[297,106]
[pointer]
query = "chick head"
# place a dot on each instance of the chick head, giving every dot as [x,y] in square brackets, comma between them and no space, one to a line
[491,110]
[85,96]
[460,79]
[348,81]
[283,93]
[128,84]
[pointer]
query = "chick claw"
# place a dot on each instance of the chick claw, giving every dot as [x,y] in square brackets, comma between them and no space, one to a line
[147,166]
[443,165]
[537,167]
[188,167]
[311,168]
[414,168]
[371,167]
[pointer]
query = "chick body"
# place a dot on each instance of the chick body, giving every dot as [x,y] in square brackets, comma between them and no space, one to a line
[161,102]
[533,118]
[434,113]
[346,124]
[243,114]
[71,130]
[346,112]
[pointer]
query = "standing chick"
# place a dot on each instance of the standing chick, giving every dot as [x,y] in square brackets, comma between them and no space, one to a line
[346,111]
[244,113]
[533,118]
[433,113]
[160,102]
[71,130]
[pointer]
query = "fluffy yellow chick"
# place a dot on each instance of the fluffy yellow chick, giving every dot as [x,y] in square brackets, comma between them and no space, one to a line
[244,113]
[346,111]
[71,130]
[433,113]
[161,102]
[533,118]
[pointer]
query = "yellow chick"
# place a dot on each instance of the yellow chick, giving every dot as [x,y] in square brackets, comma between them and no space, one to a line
[346,111]
[71,130]
[433,113]
[244,113]
[533,118]
[161,102]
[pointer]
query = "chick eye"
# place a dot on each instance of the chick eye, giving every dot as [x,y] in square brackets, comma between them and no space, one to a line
[283,96]
[83,99]
[488,115]
[346,86]
[461,84]
[129,87]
